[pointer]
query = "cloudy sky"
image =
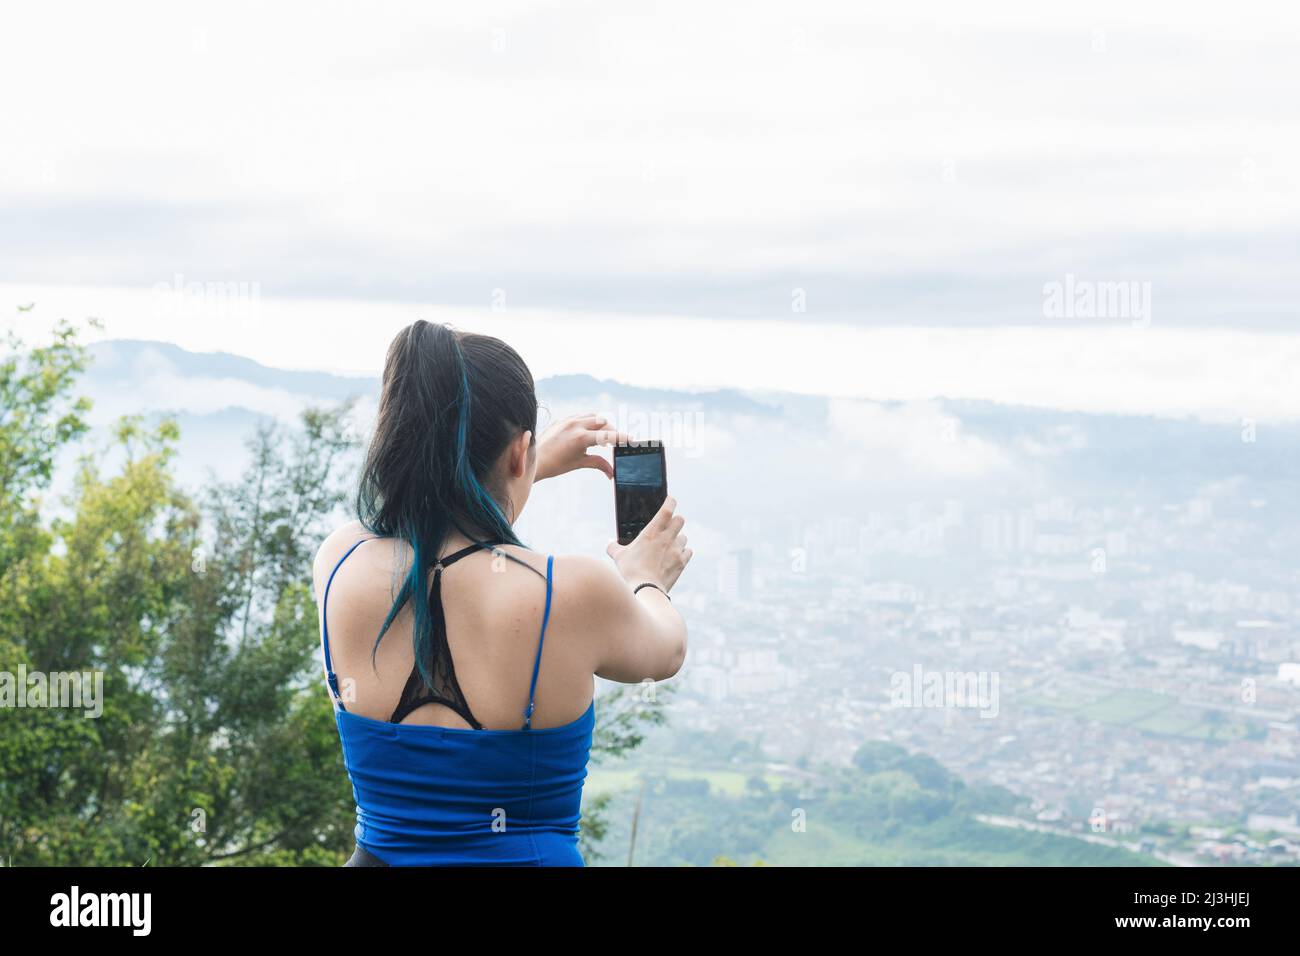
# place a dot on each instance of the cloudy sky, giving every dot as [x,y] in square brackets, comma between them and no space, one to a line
[816,196]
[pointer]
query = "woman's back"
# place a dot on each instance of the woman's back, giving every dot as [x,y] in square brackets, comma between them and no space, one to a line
[492,608]
[477,775]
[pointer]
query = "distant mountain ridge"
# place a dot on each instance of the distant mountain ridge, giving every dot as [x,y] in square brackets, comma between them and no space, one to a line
[219,398]
[115,358]
[115,361]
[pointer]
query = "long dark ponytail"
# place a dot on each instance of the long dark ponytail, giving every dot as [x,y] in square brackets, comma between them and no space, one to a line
[450,404]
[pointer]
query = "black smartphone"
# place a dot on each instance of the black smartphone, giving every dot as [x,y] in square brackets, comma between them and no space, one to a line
[640,486]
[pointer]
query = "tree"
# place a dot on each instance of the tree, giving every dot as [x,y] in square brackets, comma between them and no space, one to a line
[37,418]
[215,743]
[876,756]
[621,724]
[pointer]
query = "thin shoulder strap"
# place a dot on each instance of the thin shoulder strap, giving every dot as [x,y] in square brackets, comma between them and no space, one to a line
[330,677]
[541,639]
[463,552]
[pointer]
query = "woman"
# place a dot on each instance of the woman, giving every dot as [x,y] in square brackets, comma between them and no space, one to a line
[460,662]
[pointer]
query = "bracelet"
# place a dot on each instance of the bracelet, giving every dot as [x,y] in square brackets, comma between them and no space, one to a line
[651,584]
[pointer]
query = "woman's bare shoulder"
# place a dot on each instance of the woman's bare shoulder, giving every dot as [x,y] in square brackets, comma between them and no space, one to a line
[580,570]
[582,581]
[336,545]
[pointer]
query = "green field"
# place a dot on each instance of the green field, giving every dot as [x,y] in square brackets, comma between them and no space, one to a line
[1127,707]
[1143,711]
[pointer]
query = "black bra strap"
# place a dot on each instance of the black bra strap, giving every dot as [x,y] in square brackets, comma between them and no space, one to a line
[416,693]
[463,552]
[410,706]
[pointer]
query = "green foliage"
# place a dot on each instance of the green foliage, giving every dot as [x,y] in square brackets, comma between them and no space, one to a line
[877,755]
[36,414]
[215,743]
[622,721]
[594,831]
[37,418]
[624,718]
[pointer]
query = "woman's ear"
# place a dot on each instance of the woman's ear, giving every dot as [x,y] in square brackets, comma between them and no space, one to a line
[519,449]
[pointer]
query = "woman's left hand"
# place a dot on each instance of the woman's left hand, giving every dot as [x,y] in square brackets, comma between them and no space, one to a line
[563,446]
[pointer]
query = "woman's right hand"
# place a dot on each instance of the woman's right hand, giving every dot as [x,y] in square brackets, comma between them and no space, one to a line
[658,554]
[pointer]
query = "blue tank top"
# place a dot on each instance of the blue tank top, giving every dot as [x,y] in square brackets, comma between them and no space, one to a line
[429,796]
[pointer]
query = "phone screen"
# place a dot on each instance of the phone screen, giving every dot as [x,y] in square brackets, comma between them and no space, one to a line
[640,486]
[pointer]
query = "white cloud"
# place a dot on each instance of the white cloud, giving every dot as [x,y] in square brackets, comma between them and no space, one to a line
[913,438]
[1055,440]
